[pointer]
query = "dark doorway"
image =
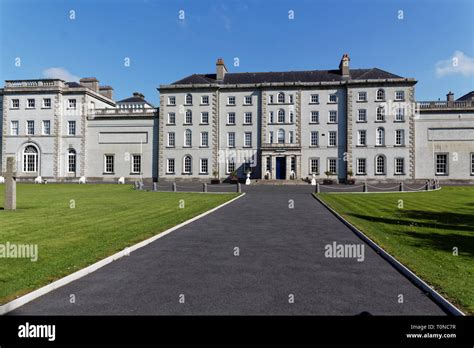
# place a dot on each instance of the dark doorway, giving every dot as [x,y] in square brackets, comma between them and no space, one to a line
[281,168]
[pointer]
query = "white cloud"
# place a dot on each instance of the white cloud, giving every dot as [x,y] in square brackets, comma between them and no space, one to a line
[60,73]
[458,63]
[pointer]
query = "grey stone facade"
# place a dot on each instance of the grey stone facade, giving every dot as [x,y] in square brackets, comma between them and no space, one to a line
[288,125]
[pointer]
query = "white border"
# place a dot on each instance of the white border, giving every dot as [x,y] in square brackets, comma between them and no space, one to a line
[12,305]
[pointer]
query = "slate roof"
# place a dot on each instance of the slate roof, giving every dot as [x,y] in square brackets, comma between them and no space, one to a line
[134,100]
[468,96]
[286,76]
[73,84]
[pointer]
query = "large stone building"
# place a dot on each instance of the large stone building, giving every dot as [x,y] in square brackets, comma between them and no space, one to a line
[288,124]
[273,125]
[65,130]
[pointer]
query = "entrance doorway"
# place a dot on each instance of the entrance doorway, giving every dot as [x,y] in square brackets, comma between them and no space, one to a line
[281,168]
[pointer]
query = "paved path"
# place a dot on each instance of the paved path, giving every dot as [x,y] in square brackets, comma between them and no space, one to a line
[281,253]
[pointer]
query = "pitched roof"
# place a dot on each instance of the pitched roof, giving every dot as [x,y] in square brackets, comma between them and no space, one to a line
[286,76]
[468,96]
[134,100]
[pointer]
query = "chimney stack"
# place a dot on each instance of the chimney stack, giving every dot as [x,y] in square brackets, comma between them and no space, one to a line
[138,95]
[221,69]
[450,96]
[91,83]
[106,91]
[344,66]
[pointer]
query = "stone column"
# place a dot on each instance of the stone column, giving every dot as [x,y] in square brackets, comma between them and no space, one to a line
[263,165]
[288,167]
[273,173]
[298,167]
[10,185]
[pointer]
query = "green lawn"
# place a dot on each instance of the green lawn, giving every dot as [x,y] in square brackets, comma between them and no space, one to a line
[106,219]
[422,235]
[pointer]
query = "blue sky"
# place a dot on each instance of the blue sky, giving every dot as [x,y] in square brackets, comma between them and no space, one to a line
[163,48]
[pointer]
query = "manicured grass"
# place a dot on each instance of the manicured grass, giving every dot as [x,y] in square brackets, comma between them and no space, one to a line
[105,219]
[422,234]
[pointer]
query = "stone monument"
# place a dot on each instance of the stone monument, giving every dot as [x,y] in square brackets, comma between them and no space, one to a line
[10,185]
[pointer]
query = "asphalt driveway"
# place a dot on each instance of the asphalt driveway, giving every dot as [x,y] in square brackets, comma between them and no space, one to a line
[281,257]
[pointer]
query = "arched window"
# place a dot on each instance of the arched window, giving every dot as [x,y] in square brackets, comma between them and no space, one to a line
[30,159]
[189,117]
[187,164]
[380,164]
[380,94]
[71,161]
[380,137]
[281,116]
[281,98]
[281,136]
[187,137]
[380,113]
[189,99]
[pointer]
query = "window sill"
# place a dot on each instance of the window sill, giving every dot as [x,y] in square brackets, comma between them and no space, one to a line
[170,104]
[187,124]
[108,173]
[247,104]
[331,122]
[447,174]
[361,174]
[313,146]
[136,174]
[361,146]
[314,123]
[46,108]
[380,174]
[399,100]
[361,101]
[247,147]
[399,146]
[204,124]
[379,100]
[169,173]
[399,121]
[313,103]
[247,124]
[332,102]
[230,124]
[361,121]
[186,173]
[203,173]
[15,108]
[204,104]
[204,147]
[399,174]
[380,146]
[171,124]
[231,105]
[380,121]
[170,147]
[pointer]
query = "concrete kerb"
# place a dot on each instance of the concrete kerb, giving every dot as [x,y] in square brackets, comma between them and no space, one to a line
[417,281]
[12,305]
